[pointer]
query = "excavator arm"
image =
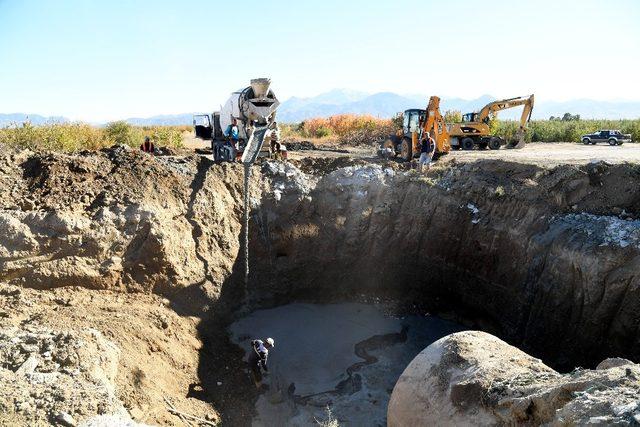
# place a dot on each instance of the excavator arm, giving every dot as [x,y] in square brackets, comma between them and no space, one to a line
[504,104]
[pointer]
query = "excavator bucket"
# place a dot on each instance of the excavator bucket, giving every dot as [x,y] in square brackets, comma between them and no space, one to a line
[519,144]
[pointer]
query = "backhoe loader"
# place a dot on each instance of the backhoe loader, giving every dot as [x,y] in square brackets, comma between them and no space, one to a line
[416,125]
[474,129]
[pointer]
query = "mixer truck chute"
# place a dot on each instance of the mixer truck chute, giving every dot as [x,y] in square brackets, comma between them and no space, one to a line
[254,108]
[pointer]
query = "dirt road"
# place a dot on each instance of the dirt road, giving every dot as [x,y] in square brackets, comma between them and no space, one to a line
[542,154]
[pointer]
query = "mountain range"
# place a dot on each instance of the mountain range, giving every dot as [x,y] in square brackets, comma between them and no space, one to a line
[386,104]
[383,104]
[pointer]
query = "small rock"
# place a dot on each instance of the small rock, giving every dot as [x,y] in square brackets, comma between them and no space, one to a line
[27,205]
[219,383]
[64,419]
[29,365]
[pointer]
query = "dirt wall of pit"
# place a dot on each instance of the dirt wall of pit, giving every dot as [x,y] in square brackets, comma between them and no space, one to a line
[502,241]
[548,257]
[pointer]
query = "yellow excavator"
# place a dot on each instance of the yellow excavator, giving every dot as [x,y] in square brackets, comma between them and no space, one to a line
[474,129]
[416,125]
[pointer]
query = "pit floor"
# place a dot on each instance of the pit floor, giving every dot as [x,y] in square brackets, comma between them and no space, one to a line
[314,367]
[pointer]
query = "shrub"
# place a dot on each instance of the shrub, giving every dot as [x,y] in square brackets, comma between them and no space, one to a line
[567,130]
[82,136]
[119,132]
[322,132]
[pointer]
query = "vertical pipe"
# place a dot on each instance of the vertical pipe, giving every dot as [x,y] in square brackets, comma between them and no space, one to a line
[247,176]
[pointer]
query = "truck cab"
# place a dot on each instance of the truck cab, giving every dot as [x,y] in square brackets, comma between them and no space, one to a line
[203,126]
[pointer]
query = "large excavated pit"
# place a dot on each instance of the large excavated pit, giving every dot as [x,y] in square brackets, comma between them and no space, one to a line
[545,259]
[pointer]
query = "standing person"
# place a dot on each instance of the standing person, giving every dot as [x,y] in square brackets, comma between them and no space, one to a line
[232,132]
[258,359]
[427,149]
[147,146]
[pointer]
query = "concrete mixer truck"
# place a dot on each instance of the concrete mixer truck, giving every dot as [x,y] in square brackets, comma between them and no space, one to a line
[254,109]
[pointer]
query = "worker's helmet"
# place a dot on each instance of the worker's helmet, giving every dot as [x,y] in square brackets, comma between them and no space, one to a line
[271,342]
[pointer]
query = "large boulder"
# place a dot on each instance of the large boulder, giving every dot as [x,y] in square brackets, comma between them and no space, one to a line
[473,378]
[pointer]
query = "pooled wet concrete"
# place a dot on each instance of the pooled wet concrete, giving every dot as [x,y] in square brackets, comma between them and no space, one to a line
[342,357]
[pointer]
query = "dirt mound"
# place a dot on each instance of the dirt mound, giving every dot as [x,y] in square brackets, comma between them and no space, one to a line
[118,219]
[87,353]
[325,165]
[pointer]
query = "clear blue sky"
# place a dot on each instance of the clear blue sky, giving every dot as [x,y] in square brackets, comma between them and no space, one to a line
[103,60]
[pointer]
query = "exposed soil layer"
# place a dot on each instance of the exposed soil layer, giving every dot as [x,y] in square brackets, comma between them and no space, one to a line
[544,258]
[500,241]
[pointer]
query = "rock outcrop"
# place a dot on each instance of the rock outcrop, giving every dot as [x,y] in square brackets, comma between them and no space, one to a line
[473,378]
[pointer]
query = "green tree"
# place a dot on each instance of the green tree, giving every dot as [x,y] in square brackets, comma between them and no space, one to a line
[452,116]
[120,132]
[568,117]
[494,124]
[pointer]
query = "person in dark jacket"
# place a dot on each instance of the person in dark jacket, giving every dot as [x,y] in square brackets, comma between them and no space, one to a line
[147,146]
[258,359]
[427,148]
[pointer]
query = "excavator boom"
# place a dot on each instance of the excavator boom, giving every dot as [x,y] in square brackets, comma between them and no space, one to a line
[504,104]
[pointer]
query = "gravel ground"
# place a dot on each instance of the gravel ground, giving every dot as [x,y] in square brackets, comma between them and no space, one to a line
[554,154]
[542,154]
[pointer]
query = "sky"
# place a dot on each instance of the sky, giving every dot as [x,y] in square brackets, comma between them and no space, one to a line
[105,60]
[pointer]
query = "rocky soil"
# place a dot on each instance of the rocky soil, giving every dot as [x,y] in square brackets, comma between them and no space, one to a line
[145,251]
[473,378]
[96,356]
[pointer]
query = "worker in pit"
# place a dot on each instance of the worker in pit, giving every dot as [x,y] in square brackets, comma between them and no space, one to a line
[147,146]
[258,359]
[427,148]
[232,133]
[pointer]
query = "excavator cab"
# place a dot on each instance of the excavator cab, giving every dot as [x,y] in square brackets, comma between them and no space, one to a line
[469,117]
[413,118]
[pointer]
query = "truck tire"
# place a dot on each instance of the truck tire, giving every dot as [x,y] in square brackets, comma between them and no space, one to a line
[406,150]
[467,144]
[495,143]
[586,141]
[613,141]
